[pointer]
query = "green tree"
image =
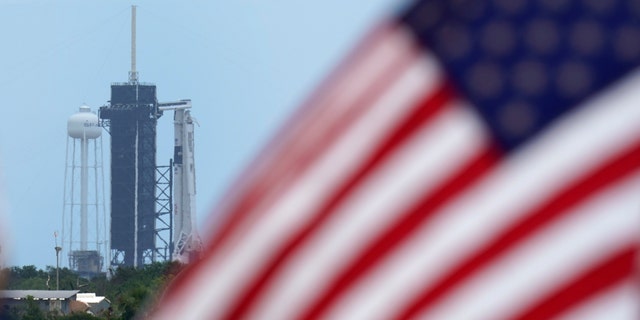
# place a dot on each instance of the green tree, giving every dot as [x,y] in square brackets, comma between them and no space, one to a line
[137,289]
[130,290]
[77,316]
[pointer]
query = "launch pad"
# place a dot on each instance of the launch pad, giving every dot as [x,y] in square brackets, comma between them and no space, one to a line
[146,225]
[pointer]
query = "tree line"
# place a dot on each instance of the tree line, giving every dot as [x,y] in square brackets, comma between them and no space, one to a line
[130,290]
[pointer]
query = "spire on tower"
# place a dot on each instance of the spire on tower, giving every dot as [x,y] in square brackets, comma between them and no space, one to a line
[133,74]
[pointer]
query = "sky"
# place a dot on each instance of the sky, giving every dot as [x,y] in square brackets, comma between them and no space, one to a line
[246,66]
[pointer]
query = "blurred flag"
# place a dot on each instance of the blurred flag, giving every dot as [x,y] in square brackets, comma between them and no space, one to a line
[470,160]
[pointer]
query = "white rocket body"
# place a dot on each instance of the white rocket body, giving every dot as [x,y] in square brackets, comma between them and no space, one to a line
[186,238]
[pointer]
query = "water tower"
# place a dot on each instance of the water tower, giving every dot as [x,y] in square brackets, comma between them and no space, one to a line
[84,221]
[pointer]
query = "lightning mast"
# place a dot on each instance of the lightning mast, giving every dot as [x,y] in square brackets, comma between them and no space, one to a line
[133,74]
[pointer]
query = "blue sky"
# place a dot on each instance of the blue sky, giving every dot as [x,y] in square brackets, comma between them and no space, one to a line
[246,65]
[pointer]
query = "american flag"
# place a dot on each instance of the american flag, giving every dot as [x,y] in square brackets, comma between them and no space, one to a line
[469,160]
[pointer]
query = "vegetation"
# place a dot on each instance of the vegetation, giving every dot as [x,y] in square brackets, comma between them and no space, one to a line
[130,290]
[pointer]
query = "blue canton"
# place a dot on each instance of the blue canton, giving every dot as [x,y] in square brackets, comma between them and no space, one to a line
[523,64]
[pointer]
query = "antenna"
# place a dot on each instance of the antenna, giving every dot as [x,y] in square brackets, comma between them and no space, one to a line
[58,249]
[133,74]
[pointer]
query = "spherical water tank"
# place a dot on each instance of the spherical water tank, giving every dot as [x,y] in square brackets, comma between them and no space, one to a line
[84,124]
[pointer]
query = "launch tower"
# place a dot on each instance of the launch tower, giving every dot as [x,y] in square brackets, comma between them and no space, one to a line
[131,118]
[142,207]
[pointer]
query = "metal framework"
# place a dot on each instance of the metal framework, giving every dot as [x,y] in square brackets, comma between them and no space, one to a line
[131,119]
[86,263]
[164,212]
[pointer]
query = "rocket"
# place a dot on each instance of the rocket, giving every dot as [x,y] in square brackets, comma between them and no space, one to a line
[187,241]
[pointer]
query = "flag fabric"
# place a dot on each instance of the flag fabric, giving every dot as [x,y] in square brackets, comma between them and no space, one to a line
[469,160]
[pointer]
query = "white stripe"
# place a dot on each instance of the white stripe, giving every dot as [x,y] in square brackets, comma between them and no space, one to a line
[550,258]
[526,179]
[620,303]
[454,135]
[306,194]
[415,83]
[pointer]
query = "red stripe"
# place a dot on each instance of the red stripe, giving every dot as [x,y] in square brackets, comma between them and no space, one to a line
[599,179]
[618,268]
[293,162]
[400,231]
[414,121]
